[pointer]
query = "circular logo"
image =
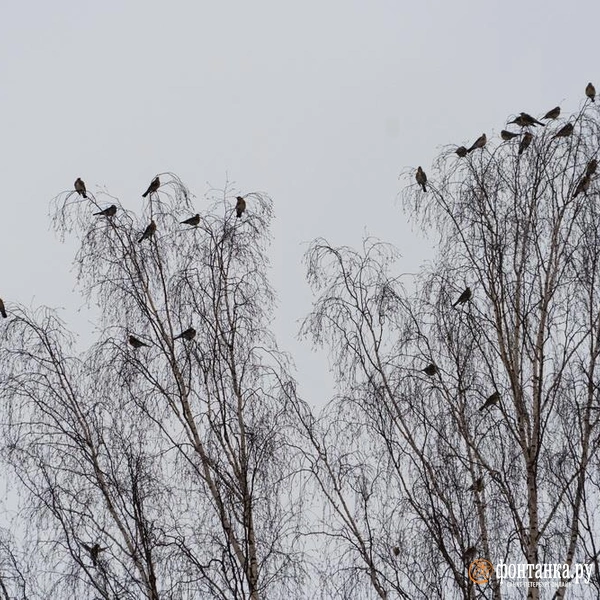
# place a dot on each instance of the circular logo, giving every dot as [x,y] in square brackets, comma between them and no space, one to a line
[481,571]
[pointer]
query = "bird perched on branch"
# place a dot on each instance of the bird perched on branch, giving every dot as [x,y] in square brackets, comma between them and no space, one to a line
[148,232]
[590,91]
[565,131]
[491,401]
[583,185]
[508,135]
[396,551]
[479,143]
[525,142]
[192,220]
[111,211]
[477,485]
[525,120]
[94,551]
[240,206]
[552,114]
[469,554]
[461,151]
[591,167]
[154,185]
[2,309]
[80,187]
[188,334]
[464,297]
[430,370]
[421,178]
[136,343]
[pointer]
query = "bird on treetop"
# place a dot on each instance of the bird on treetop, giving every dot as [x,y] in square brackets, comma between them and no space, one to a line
[552,114]
[464,297]
[565,131]
[111,211]
[590,91]
[525,142]
[479,143]
[148,232]
[421,178]
[192,220]
[154,185]
[430,370]
[508,135]
[240,206]
[461,151]
[2,309]
[491,400]
[80,187]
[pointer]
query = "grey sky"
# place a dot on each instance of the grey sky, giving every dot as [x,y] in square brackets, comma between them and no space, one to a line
[319,104]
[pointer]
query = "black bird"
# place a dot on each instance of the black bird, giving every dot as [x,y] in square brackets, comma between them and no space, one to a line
[591,167]
[396,551]
[590,91]
[508,135]
[464,297]
[479,143]
[552,114]
[491,401]
[2,309]
[94,551]
[188,334]
[80,187]
[565,131]
[148,232]
[240,206]
[421,178]
[525,142]
[430,370]
[477,485]
[529,120]
[469,554]
[192,220]
[111,211]
[583,185]
[136,343]
[461,151]
[154,185]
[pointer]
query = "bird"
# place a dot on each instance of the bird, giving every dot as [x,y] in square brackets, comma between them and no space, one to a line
[552,114]
[430,370]
[565,131]
[591,167]
[192,220]
[525,142]
[111,211]
[491,400]
[461,151]
[94,551]
[396,551]
[525,120]
[583,185]
[80,187]
[477,485]
[154,185]
[148,232]
[188,334]
[2,309]
[136,343]
[469,553]
[240,206]
[508,135]
[590,91]
[421,178]
[464,297]
[479,143]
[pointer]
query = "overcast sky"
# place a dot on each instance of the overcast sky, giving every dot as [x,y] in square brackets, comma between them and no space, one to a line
[319,104]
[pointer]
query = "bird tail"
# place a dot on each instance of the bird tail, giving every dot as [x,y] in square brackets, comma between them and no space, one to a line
[144,194]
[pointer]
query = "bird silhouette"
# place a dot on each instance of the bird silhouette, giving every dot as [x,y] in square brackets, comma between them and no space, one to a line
[469,554]
[565,131]
[111,211]
[590,91]
[491,401]
[421,178]
[154,185]
[430,370]
[2,309]
[477,485]
[464,297]
[479,143]
[591,167]
[94,551]
[525,142]
[552,114]
[461,151]
[525,120]
[188,334]
[583,185]
[148,232]
[508,135]
[136,343]
[396,551]
[192,220]
[80,187]
[240,206]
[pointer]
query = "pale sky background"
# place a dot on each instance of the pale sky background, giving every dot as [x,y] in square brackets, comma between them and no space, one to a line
[319,104]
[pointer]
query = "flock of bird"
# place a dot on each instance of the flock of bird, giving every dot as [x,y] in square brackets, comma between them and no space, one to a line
[524,120]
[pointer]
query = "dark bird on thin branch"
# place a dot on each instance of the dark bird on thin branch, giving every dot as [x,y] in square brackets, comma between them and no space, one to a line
[508,135]
[430,370]
[2,309]
[148,232]
[188,334]
[525,142]
[552,114]
[525,120]
[136,343]
[421,178]
[491,401]
[461,151]
[469,554]
[396,551]
[94,551]
[590,91]
[565,131]
[111,211]
[583,185]
[477,485]
[479,143]
[80,187]
[240,206]
[464,297]
[192,220]
[154,185]
[591,167]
